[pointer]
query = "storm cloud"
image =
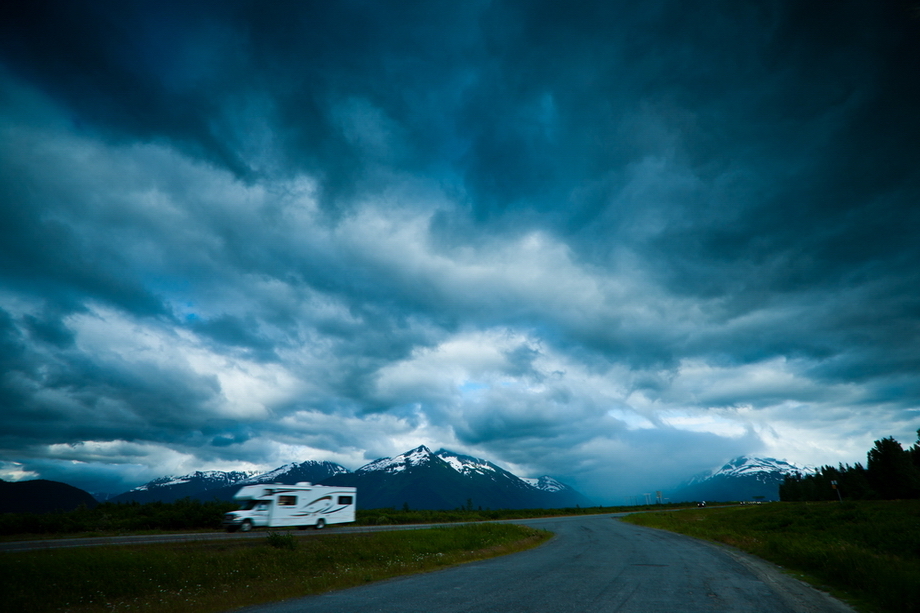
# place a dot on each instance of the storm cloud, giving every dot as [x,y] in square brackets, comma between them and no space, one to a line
[615,244]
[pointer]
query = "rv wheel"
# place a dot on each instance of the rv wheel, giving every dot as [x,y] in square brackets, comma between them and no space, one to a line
[320,523]
[246,526]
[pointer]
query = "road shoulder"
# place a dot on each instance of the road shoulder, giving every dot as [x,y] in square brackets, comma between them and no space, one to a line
[798,595]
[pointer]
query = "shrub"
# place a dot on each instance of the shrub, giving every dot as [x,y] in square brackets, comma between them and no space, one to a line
[282,540]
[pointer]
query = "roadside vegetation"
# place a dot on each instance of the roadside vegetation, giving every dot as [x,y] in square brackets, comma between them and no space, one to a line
[108,519]
[202,577]
[867,552]
[118,518]
[374,517]
[891,473]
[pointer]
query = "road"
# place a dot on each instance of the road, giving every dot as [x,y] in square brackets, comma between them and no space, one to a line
[97,541]
[593,564]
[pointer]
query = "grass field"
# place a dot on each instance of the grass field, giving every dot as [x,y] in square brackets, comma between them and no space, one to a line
[867,552]
[201,577]
[188,515]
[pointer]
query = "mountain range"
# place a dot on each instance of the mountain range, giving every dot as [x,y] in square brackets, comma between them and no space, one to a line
[741,479]
[417,479]
[211,484]
[422,479]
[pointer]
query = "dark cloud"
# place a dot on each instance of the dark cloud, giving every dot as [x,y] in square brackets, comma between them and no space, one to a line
[233,331]
[583,235]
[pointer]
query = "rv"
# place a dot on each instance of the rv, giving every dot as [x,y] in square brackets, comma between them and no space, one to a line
[291,506]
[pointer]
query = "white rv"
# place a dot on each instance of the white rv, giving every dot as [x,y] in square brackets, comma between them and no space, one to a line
[293,506]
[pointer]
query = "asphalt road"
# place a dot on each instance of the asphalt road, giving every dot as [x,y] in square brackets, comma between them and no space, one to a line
[97,541]
[593,564]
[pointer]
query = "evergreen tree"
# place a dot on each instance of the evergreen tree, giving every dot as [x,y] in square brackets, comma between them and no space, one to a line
[790,490]
[915,452]
[891,472]
[853,483]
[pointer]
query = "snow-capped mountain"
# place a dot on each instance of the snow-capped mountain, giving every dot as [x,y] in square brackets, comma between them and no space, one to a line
[422,479]
[310,471]
[762,469]
[545,483]
[215,477]
[468,465]
[215,484]
[418,478]
[743,478]
[483,472]
[420,456]
[170,489]
[295,472]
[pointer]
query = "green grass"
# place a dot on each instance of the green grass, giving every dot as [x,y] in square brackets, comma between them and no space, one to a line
[117,518]
[188,515]
[867,552]
[377,517]
[200,577]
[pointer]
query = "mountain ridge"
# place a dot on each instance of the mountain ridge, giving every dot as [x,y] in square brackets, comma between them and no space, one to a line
[418,478]
[42,496]
[742,478]
[422,479]
[222,485]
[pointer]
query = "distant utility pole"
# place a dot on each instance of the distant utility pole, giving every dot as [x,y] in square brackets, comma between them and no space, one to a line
[834,485]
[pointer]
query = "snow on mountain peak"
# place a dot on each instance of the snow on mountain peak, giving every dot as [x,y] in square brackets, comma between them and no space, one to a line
[545,483]
[272,475]
[279,475]
[744,465]
[416,457]
[468,465]
[759,468]
[465,464]
[216,477]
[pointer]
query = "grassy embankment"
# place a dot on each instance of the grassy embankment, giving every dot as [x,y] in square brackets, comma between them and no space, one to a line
[373,517]
[865,552]
[199,577]
[110,519]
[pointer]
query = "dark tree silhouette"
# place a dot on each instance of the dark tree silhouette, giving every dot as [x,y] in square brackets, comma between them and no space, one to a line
[915,452]
[891,472]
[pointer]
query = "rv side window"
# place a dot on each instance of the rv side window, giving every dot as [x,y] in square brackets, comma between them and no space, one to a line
[287,501]
[345,500]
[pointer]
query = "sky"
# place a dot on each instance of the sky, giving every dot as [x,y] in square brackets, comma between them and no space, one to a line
[616,243]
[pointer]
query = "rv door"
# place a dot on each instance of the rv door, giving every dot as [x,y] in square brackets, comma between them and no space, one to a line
[259,511]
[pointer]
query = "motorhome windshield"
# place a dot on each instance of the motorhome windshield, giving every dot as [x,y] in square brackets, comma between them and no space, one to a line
[249,505]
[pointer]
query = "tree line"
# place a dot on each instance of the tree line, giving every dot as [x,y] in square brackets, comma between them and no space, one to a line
[109,517]
[891,473]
